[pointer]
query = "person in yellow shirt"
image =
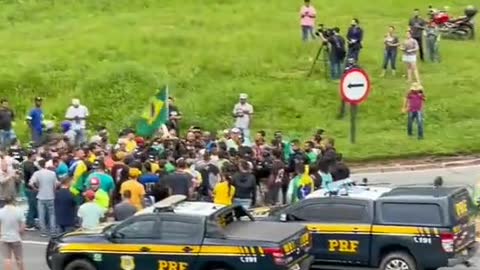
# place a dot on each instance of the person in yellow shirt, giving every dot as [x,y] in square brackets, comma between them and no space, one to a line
[224,191]
[136,189]
[130,143]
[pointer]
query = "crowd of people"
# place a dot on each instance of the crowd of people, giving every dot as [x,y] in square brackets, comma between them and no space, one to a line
[72,181]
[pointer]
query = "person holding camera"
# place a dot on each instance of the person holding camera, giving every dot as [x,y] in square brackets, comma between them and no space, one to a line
[354,37]
[337,51]
[307,20]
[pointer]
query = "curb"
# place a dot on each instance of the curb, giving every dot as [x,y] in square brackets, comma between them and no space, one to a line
[417,167]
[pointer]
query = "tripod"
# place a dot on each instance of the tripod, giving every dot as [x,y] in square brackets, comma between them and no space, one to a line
[324,51]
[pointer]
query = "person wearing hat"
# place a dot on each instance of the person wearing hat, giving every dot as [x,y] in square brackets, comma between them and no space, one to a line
[102,198]
[136,189]
[35,120]
[413,106]
[243,112]
[77,114]
[90,213]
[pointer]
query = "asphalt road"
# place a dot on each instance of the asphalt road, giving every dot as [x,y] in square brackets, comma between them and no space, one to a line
[34,246]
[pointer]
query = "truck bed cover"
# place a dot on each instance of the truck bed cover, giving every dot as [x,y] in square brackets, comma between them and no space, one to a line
[262,231]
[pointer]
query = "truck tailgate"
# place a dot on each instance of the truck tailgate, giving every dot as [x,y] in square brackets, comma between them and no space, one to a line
[263,231]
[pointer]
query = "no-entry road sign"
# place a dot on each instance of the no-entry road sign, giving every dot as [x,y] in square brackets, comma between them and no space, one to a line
[355,86]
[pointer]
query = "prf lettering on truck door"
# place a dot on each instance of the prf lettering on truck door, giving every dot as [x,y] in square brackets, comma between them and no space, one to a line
[343,246]
[172,265]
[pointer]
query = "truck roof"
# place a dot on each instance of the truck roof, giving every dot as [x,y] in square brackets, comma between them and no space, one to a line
[178,205]
[422,191]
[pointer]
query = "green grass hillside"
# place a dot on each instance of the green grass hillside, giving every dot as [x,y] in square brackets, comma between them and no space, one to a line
[113,54]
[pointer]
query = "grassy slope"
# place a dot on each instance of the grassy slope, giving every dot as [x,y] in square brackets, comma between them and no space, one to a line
[113,53]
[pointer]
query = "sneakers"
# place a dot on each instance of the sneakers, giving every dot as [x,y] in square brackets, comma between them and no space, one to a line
[30,229]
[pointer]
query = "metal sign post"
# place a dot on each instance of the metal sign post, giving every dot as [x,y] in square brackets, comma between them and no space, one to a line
[354,89]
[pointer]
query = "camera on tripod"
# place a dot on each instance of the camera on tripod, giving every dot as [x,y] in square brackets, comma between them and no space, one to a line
[324,32]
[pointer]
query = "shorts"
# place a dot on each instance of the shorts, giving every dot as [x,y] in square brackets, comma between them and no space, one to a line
[407,58]
[7,248]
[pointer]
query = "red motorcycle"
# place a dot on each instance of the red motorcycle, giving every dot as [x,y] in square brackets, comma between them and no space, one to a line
[460,28]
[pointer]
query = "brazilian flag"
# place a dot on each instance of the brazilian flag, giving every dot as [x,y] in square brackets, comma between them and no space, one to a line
[155,115]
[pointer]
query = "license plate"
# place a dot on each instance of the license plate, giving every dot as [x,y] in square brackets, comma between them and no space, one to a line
[295,267]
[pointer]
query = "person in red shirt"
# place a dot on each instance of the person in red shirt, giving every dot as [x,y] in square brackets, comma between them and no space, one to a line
[413,106]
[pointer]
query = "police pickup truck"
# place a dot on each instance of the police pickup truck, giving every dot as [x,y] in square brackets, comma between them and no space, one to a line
[407,228]
[181,235]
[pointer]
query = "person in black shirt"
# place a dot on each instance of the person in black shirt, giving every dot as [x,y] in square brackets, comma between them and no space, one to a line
[29,168]
[354,37]
[337,52]
[174,116]
[6,119]
[180,182]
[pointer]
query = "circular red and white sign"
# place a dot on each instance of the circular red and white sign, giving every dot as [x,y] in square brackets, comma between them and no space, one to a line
[355,86]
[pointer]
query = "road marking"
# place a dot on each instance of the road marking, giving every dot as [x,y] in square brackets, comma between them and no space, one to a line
[39,243]
[416,171]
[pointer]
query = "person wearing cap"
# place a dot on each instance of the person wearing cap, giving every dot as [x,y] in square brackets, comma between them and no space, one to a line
[136,189]
[243,113]
[90,213]
[413,106]
[77,114]
[106,181]
[102,198]
[35,120]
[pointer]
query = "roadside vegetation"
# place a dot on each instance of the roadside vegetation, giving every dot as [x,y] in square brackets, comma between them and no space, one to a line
[113,54]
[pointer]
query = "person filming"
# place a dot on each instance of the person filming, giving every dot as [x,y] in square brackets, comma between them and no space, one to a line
[337,51]
[354,38]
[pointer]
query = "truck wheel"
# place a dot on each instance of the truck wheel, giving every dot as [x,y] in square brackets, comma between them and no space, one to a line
[398,261]
[80,264]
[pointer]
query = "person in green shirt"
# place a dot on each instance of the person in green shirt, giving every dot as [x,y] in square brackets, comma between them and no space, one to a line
[106,181]
[311,152]
[101,197]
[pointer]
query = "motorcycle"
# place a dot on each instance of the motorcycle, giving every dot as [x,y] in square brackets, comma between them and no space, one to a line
[457,28]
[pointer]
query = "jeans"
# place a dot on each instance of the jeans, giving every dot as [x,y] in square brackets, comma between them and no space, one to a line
[6,137]
[246,203]
[354,53]
[335,67]
[80,136]
[432,48]
[36,136]
[46,210]
[307,31]
[32,213]
[420,46]
[390,57]
[418,117]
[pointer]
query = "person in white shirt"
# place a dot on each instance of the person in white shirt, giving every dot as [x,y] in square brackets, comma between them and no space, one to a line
[77,114]
[243,112]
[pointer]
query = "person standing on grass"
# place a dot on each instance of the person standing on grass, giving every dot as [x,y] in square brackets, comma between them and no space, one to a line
[433,38]
[243,112]
[354,39]
[7,118]
[35,122]
[417,25]
[307,20]
[410,48]
[45,181]
[77,114]
[413,106]
[12,227]
[391,47]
